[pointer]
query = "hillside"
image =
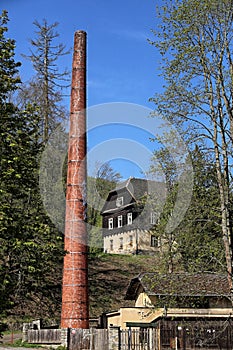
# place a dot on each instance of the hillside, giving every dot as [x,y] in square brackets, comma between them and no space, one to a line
[109,276]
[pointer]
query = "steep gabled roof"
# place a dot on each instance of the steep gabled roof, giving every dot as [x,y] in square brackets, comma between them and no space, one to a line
[135,189]
[179,284]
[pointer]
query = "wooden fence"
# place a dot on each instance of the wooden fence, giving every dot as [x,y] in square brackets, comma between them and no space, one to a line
[89,339]
[105,339]
[98,339]
[44,336]
[143,339]
[188,335]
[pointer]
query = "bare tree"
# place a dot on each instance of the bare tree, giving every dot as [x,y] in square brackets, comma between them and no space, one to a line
[195,41]
[45,88]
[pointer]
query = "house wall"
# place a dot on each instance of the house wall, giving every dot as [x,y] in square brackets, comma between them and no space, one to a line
[129,242]
[132,314]
[148,315]
[114,216]
[143,299]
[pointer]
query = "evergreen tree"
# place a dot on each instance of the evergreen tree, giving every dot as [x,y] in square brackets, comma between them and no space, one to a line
[9,81]
[29,244]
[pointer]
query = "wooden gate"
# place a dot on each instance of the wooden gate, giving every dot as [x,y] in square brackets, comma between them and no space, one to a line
[88,339]
[198,334]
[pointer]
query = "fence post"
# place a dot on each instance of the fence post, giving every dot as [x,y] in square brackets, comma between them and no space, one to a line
[25,332]
[65,337]
[114,338]
[158,338]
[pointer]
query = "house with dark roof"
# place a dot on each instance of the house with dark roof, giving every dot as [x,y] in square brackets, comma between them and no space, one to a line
[174,298]
[176,311]
[130,212]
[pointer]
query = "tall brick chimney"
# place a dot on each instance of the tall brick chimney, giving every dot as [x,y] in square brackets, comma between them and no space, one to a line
[75,273]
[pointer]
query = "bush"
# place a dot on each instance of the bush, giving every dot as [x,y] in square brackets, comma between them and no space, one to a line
[3,328]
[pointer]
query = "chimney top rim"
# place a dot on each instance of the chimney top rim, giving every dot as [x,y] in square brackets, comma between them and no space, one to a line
[80,32]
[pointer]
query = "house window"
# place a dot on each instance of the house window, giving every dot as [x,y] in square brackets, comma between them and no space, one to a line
[121,243]
[119,201]
[129,219]
[130,240]
[110,223]
[120,220]
[153,218]
[154,241]
[111,244]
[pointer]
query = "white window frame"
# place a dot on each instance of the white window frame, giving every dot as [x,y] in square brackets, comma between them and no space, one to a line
[129,218]
[154,242]
[153,218]
[120,221]
[110,223]
[119,202]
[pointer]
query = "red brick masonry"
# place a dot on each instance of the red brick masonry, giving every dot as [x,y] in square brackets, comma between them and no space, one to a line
[75,277]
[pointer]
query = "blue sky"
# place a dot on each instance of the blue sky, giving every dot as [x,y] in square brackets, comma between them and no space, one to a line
[122,65]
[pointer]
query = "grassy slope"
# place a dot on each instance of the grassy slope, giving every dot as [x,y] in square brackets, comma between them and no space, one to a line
[109,276]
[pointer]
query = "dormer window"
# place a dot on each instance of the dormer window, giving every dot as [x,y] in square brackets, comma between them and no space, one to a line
[119,202]
[153,218]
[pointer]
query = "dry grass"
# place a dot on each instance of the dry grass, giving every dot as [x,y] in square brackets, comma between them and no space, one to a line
[109,276]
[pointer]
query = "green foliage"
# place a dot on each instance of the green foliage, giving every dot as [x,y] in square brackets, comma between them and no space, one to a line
[3,328]
[196,244]
[19,343]
[97,190]
[30,246]
[200,243]
[8,67]
[195,42]
[61,347]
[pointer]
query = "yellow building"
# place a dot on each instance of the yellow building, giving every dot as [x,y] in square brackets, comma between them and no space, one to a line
[173,297]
